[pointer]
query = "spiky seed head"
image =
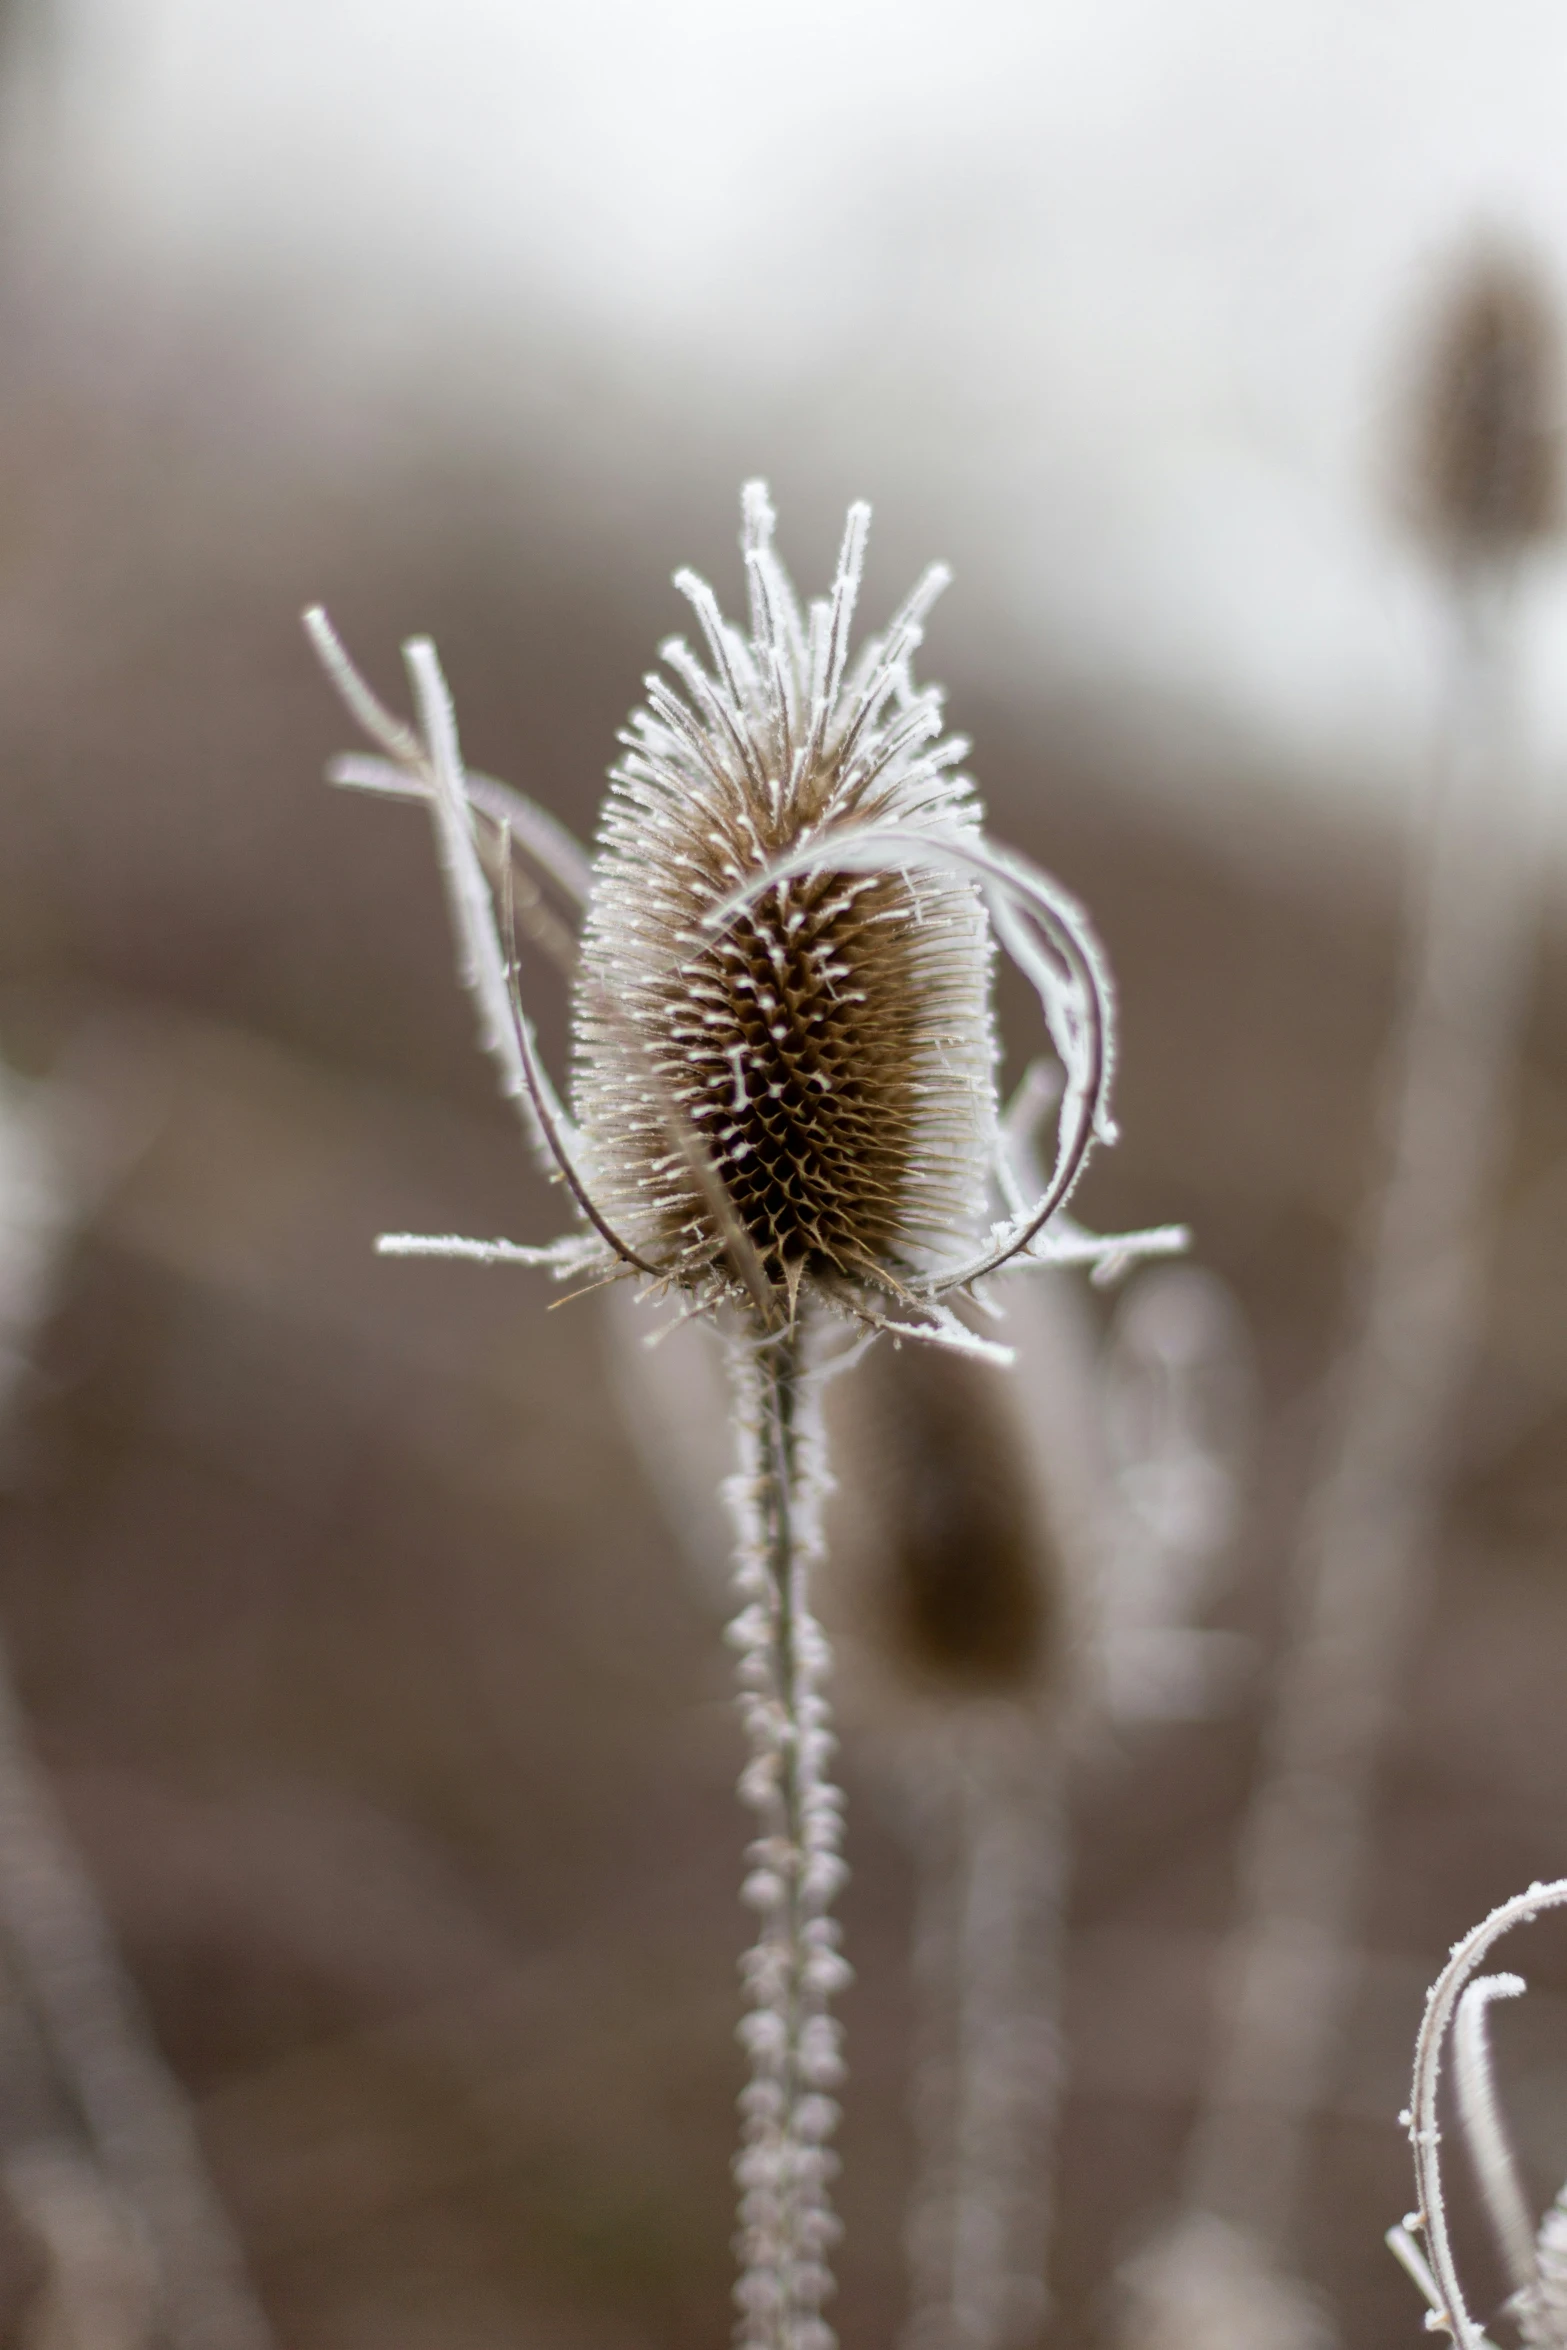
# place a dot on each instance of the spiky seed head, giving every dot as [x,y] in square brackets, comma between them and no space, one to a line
[1489,441]
[818,1071]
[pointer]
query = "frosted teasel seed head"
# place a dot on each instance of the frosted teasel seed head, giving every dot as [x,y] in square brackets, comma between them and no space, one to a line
[829,1047]
[783,1061]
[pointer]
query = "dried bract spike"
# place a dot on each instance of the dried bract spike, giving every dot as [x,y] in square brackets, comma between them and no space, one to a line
[830,1048]
[1489,456]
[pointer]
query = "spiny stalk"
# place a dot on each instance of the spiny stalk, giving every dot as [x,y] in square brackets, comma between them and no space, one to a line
[785,2166]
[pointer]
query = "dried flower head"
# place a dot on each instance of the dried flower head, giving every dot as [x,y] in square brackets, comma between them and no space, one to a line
[1489,443]
[783,1064]
[830,1049]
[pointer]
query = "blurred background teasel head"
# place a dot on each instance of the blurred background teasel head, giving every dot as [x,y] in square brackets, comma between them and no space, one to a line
[1488,428]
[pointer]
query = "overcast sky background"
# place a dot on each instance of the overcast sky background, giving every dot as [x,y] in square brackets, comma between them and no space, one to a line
[1111,298]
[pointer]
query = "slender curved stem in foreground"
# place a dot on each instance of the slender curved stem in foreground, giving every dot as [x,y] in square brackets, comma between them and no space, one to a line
[1425,2136]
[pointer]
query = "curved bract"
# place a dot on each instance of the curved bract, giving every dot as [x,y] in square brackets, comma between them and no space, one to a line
[782,1106]
[1536,2267]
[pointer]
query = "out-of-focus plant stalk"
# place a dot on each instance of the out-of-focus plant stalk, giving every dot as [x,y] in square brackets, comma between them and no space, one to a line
[1373,1521]
[1374,1517]
[60,1950]
[994,1858]
[137,2118]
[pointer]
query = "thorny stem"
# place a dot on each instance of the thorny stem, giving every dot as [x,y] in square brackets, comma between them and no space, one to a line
[784,2167]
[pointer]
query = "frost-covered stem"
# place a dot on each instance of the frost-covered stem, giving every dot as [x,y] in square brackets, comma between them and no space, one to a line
[989,2076]
[1373,1518]
[785,2166]
[1425,2134]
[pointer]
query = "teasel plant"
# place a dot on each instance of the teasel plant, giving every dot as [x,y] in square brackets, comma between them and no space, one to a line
[1533,2255]
[783,1120]
[1484,435]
